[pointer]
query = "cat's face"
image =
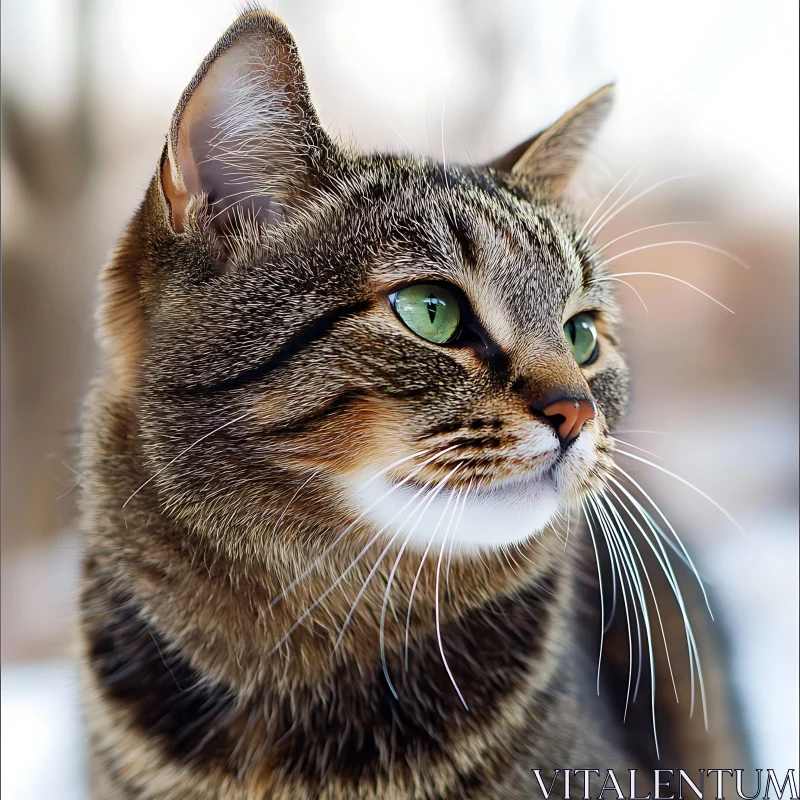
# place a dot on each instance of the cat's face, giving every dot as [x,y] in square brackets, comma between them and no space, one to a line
[383,335]
[517,273]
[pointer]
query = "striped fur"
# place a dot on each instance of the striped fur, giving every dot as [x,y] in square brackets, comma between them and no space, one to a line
[253,371]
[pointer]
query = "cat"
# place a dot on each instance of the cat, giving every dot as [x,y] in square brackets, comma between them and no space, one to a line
[345,400]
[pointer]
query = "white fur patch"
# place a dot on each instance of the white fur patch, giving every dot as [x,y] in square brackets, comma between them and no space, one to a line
[497,516]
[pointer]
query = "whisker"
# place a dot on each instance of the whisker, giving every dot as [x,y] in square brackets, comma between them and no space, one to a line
[457,526]
[294,497]
[613,612]
[419,570]
[436,614]
[600,589]
[71,489]
[622,527]
[659,532]
[616,277]
[701,245]
[310,567]
[635,447]
[601,219]
[433,496]
[659,433]
[496,556]
[347,571]
[447,568]
[568,521]
[601,223]
[634,582]
[672,434]
[648,228]
[694,658]
[609,193]
[377,564]
[383,615]
[518,548]
[504,550]
[623,537]
[666,567]
[672,531]
[444,159]
[692,487]
[632,547]
[615,554]
[558,518]
[187,449]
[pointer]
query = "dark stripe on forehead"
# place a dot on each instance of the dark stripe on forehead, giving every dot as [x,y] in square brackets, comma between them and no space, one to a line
[587,274]
[584,256]
[465,243]
[584,252]
[554,237]
[307,335]
[544,234]
[351,728]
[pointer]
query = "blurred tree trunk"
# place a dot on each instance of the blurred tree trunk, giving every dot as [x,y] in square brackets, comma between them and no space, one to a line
[48,164]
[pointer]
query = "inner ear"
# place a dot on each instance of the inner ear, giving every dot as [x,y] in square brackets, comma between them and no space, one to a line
[245,136]
[505,163]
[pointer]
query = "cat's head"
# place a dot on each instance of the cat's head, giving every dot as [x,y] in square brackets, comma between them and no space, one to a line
[420,346]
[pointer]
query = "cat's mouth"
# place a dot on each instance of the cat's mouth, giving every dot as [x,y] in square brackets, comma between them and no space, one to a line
[473,510]
[483,479]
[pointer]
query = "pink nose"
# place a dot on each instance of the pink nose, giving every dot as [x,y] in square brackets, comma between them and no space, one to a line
[568,416]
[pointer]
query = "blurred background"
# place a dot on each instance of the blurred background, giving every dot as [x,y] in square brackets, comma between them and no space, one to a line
[707,102]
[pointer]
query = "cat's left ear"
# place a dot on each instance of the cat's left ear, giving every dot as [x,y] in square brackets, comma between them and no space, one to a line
[245,133]
[550,158]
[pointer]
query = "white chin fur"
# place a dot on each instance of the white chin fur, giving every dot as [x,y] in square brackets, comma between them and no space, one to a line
[493,517]
[488,519]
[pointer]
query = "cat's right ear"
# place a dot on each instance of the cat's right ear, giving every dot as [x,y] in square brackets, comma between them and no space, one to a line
[245,135]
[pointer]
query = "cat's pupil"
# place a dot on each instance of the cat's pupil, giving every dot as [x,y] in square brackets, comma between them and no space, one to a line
[432,304]
[572,330]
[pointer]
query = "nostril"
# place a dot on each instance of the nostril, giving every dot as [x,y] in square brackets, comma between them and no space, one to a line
[567,417]
[556,420]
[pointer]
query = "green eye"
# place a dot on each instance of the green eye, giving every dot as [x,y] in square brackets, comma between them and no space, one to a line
[431,311]
[581,335]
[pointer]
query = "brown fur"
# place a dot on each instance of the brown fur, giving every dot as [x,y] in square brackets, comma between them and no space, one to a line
[253,368]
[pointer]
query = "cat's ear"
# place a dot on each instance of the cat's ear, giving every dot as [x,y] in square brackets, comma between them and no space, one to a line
[245,133]
[551,157]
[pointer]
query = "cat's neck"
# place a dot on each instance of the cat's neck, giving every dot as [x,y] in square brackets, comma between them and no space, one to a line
[213,695]
[251,624]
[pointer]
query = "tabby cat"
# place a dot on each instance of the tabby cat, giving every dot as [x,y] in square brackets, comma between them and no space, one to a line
[347,402]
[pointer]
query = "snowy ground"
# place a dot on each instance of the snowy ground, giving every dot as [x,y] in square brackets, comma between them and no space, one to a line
[762,609]
[42,742]
[43,756]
